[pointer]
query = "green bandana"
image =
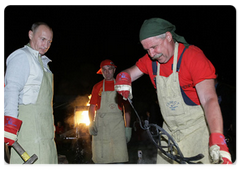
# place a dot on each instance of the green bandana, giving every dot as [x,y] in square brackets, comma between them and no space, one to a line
[157,26]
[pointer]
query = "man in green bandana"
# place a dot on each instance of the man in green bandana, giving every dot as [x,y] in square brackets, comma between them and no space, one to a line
[184,79]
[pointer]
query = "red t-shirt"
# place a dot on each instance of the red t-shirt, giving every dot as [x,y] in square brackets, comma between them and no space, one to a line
[195,67]
[97,93]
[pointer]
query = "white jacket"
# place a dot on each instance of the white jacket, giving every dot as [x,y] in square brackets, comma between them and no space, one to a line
[23,79]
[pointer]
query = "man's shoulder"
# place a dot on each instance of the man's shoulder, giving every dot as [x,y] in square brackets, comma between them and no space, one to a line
[18,51]
[99,84]
[21,51]
[194,49]
[193,54]
[19,54]
[144,64]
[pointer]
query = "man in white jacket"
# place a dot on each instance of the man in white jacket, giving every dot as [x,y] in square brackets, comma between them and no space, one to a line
[28,93]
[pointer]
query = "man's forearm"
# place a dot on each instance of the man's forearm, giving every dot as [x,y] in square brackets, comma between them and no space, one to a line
[91,112]
[213,116]
[128,119]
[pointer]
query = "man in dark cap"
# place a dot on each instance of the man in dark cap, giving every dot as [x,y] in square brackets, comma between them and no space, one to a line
[184,79]
[109,129]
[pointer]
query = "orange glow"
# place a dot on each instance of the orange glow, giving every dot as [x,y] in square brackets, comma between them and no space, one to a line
[89,98]
[81,114]
[82,117]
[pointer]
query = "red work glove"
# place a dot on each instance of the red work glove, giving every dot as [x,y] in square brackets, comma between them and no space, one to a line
[123,85]
[11,127]
[218,149]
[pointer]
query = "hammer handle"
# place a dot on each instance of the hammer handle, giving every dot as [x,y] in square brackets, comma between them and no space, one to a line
[20,151]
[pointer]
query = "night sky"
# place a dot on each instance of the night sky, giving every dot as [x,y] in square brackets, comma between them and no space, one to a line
[86,35]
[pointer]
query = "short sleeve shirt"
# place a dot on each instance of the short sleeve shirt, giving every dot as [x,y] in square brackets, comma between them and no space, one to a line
[195,67]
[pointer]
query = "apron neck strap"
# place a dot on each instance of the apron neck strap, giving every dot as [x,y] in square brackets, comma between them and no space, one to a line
[174,60]
[175,57]
[103,88]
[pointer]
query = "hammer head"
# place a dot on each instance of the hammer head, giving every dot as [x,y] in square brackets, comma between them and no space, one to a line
[31,160]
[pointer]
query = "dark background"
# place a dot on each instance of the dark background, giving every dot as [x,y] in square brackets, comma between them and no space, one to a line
[86,35]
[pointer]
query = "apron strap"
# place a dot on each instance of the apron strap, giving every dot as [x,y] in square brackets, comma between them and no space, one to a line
[103,88]
[180,59]
[154,68]
[186,99]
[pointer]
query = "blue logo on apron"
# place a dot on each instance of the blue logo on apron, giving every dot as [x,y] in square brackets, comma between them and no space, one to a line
[172,104]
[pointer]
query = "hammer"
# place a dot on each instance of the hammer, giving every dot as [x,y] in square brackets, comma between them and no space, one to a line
[27,159]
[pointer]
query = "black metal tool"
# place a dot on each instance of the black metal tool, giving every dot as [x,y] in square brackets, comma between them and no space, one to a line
[172,151]
[24,155]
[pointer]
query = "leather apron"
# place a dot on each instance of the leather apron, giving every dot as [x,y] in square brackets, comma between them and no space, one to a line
[109,146]
[185,123]
[36,135]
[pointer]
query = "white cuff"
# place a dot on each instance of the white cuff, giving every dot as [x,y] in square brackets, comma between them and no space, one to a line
[10,136]
[124,88]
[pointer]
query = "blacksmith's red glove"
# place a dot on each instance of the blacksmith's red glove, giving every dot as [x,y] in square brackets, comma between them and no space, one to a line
[218,149]
[11,127]
[123,85]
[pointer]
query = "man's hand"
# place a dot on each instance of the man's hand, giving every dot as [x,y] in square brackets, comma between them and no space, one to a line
[123,85]
[11,127]
[218,149]
[93,129]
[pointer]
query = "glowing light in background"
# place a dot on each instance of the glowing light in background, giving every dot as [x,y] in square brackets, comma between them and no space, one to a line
[82,117]
[81,114]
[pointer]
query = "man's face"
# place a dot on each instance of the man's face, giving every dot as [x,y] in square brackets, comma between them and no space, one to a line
[158,49]
[41,40]
[108,72]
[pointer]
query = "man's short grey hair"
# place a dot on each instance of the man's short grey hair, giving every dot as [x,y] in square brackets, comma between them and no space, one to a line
[162,36]
[37,24]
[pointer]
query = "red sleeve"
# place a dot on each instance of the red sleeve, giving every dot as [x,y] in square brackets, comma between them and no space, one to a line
[95,99]
[200,67]
[142,64]
[145,65]
[195,67]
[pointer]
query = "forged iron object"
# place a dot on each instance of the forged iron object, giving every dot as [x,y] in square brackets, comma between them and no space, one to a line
[172,151]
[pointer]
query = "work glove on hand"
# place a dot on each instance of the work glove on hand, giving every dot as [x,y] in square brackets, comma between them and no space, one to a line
[93,129]
[218,149]
[128,132]
[123,85]
[11,128]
